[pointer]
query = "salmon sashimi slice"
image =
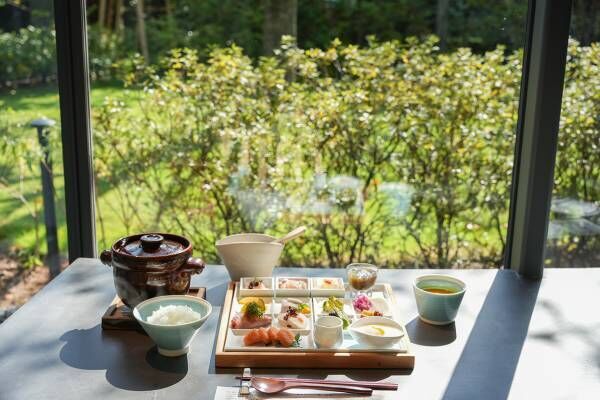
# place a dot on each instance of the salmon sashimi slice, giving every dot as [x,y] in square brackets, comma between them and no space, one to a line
[264,335]
[285,337]
[257,336]
[253,337]
[273,332]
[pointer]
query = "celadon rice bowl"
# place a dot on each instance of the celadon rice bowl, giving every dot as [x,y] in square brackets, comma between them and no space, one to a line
[173,315]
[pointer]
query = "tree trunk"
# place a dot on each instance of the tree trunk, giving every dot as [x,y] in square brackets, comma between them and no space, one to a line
[169,8]
[584,25]
[141,29]
[101,14]
[119,25]
[280,18]
[441,22]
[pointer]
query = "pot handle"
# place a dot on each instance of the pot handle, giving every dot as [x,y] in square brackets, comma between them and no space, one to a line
[194,265]
[106,257]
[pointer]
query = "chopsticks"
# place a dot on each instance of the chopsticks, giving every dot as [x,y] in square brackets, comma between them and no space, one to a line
[364,384]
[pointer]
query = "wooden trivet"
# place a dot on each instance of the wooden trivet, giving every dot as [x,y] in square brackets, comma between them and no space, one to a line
[120,317]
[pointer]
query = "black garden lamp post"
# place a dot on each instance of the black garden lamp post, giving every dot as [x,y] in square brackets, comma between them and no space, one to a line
[43,126]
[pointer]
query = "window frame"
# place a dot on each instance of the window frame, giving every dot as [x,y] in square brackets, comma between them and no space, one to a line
[73,89]
[542,79]
[544,63]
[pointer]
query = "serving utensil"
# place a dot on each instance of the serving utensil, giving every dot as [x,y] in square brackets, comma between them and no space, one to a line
[364,384]
[291,235]
[273,386]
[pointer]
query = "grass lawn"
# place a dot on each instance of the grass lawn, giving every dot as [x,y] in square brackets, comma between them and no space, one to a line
[18,223]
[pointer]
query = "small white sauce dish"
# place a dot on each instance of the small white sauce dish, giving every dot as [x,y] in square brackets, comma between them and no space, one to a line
[281,291]
[325,287]
[380,305]
[392,337]
[267,291]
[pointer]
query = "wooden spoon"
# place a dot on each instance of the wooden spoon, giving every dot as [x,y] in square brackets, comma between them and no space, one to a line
[272,386]
[291,235]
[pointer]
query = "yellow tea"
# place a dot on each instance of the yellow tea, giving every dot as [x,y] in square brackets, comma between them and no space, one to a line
[439,290]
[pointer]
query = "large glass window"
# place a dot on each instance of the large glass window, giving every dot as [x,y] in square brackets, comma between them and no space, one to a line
[32,213]
[386,127]
[574,229]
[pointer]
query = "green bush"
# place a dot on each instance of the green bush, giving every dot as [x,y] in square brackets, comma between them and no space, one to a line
[577,170]
[20,156]
[331,138]
[105,50]
[395,152]
[28,55]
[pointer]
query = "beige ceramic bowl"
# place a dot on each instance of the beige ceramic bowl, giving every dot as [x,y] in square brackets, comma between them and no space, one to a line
[249,254]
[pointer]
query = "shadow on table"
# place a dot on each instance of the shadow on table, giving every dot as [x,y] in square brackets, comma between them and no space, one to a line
[489,359]
[128,366]
[430,335]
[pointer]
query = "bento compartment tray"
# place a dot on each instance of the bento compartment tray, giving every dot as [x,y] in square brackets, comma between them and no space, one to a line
[230,351]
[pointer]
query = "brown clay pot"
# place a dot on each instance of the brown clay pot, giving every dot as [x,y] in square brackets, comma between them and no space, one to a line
[151,264]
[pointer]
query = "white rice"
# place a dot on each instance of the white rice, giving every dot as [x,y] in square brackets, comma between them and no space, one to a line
[173,315]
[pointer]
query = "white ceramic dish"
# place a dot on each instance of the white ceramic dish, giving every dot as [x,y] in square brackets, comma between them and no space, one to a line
[268,292]
[284,292]
[379,304]
[249,254]
[237,308]
[317,289]
[318,307]
[375,341]
[277,310]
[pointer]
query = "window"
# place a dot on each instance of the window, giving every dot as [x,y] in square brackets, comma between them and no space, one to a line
[32,212]
[574,230]
[391,145]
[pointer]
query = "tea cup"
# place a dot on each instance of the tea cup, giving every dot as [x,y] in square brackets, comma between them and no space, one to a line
[438,298]
[328,332]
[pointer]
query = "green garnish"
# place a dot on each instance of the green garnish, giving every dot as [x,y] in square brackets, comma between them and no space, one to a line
[253,310]
[296,341]
[333,304]
[302,306]
[335,307]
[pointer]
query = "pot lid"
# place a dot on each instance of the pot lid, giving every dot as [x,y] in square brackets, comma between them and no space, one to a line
[152,245]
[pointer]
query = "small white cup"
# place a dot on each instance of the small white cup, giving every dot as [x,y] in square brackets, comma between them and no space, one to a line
[328,332]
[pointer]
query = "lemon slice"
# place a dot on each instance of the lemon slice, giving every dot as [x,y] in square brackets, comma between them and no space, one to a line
[247,300]
[377,330]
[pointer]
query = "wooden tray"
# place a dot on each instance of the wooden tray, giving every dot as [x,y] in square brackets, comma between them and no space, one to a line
[305,358]
[119,317]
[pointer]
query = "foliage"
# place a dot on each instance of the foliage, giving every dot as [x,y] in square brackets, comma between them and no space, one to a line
[577,170]
[105,49]
[580,126]
[20,159]
[394,152]
[319,137]
[27,55]
[478,24]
